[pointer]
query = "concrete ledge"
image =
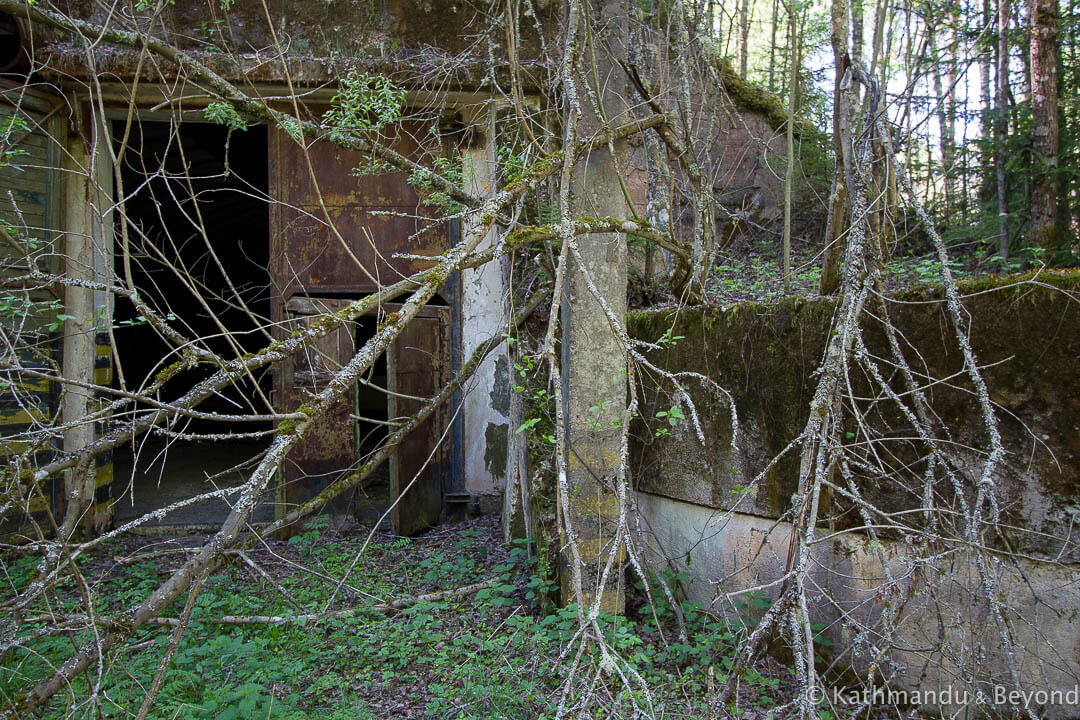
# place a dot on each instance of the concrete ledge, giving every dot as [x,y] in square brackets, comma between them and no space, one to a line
[1026,334]
[945,631]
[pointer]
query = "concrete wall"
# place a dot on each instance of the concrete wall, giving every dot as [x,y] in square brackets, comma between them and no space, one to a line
[1027,337]
[944,630]
[706,517]
[319,39]
[485,314]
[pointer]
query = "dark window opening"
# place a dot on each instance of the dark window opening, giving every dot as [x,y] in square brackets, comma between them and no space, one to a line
[14,57]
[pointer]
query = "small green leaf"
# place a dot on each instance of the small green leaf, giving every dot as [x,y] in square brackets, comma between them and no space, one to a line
[526,425]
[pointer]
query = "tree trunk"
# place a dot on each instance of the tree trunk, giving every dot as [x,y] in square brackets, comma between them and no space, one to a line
[857,31]
[1070,197]
[792,97]
[835,223]
[984,78]
[857,40]
[952,68]
[1002,126]
[772,45]
[944,127]
[744,36]
[890,32]
[1045,130]
[881,12]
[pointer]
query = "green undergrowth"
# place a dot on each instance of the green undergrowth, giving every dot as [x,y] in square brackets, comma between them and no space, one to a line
[495,654]
[760,278]
[753,273]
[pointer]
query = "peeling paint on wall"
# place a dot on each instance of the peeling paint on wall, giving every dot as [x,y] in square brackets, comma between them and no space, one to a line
[484,313]
[500,389]
[497,437]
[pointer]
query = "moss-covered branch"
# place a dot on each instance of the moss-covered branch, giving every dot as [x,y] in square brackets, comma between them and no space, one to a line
[532,234]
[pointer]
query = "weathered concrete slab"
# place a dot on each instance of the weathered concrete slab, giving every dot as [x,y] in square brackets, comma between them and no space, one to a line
[319,40]
[945,632]
[1027,337]
[167,475]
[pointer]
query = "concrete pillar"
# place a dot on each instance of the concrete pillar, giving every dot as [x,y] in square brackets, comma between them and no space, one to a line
[593,361]
[87,256]
[484,313]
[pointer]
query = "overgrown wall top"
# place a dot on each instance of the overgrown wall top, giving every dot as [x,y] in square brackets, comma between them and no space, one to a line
[445,40]
[1026,335]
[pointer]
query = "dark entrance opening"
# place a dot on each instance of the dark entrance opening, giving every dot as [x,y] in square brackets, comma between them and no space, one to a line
[195,200]
[372,417]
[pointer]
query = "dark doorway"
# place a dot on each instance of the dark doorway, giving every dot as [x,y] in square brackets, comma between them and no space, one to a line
[197,233]
[373,497]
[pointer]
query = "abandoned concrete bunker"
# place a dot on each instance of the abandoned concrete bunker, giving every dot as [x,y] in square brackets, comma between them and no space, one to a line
[361,267]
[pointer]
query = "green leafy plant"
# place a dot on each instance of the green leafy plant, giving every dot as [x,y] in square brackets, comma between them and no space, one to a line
[291,128]
[211,34]
[12,129]
[49,313]
[372,166]
[525,366]
[451,168]
[225,114]
[436,654]
[669,338]
[511,161]
[673,416]
[364,103]
[596,412]
[527,425]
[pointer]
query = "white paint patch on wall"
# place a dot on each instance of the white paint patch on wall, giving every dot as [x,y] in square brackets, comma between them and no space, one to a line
[484,315]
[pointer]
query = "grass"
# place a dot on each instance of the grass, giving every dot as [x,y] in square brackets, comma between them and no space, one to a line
[494,655]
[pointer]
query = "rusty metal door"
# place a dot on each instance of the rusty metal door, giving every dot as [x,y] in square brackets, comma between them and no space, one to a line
[419,367]
[328,451]
[338,232]
[333,237]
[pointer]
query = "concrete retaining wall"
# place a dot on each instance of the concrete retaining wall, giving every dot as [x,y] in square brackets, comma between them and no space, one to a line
[706,517]
[944,632]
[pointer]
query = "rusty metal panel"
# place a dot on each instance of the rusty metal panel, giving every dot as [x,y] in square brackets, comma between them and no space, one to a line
[375,216]
[418,369]
[328,450]
[312,258]
[335,177]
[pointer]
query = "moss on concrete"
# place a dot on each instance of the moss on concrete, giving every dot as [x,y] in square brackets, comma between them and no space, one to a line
[751,98]
[1015,284]
[1025,332]
[495,456]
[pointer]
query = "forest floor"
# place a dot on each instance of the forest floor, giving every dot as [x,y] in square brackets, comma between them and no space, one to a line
[494,653]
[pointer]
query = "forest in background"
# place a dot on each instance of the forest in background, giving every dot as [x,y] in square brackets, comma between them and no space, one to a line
[982,97]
